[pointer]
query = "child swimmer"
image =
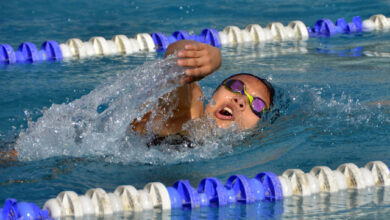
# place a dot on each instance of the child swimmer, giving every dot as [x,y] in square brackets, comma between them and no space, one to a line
[240,99]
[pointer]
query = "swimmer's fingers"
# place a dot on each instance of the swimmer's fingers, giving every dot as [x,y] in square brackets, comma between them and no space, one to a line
[201,60]
[193,51]
[198,68]
[209,61]
[193,62]
[196,46]
[188,54]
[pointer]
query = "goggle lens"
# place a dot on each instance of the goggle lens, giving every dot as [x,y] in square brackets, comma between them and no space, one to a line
[257,105]
[236,86]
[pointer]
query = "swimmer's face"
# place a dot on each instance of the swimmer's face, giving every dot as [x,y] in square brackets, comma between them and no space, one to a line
[228,107]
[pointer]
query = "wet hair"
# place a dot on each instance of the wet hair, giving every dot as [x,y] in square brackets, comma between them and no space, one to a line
[267,84]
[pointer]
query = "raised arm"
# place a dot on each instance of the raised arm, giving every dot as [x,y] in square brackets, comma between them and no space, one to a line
[201,60]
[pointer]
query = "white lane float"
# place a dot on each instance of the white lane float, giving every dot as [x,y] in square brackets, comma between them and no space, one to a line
[126,45]
[313,183]
[257,33]
[77,48]
[300,184]
[101,46]
[340,179]
[145,42]
[159,195]
[380,21]
[223,38]
[299,29]
[234,35]
[129,196]
[70,203]
[353,175]
[89,49]
[116,203]
[54,208]
[326,178]
[145,200]
[101,201]
[66,53]
[367,177]
[286,186]
[376,22]
[278,31]
[380,173]
[87,206]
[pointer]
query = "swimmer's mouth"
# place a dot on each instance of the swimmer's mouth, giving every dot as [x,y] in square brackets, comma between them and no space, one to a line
[225,113]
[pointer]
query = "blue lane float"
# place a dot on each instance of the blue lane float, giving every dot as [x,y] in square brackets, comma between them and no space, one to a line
[7,54]
[161,41]
[239,189]
[189,196]
[208,36]
[28,52]
[214,191]
[271,185]
[21,210]
[325,27]
[52,50]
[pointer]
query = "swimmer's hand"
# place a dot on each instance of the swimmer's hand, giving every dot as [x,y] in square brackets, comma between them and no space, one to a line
[201,60]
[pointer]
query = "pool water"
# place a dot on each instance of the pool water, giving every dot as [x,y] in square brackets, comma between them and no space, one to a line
[333,104]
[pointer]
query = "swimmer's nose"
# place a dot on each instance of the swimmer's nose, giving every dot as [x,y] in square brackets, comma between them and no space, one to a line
[240,102]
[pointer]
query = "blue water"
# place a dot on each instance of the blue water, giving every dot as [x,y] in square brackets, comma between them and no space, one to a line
[333,102]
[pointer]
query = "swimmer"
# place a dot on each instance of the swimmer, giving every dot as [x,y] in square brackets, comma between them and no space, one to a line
[241,98]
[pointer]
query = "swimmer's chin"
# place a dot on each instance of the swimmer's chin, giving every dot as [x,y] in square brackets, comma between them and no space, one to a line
[223,124]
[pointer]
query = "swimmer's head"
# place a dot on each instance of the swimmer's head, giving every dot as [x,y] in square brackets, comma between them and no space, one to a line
[228,106]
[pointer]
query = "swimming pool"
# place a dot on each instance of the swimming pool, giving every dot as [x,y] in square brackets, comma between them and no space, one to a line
[329,108]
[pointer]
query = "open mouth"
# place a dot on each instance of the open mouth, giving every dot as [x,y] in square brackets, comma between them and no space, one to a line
[225,113]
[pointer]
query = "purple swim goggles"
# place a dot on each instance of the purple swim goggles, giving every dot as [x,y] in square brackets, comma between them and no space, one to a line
[237,86]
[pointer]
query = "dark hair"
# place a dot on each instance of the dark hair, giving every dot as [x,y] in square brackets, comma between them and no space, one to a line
[267,84]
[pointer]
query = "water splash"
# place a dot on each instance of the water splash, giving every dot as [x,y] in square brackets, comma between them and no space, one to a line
[96,125]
